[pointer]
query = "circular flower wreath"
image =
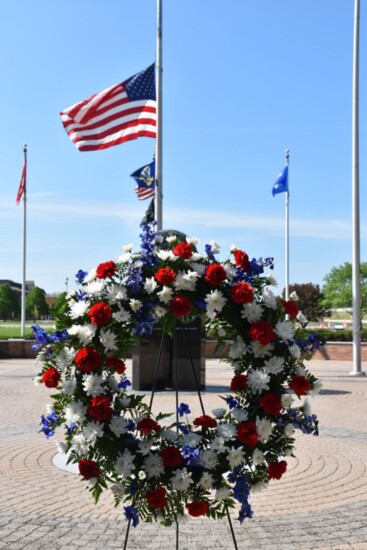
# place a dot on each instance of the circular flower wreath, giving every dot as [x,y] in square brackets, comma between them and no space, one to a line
[162,468]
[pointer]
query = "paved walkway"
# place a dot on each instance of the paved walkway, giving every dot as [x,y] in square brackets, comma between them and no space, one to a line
[321,503]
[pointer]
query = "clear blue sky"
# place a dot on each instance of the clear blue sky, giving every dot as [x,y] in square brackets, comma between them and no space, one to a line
[243,81]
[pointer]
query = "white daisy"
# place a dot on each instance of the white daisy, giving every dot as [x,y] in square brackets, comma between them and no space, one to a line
[284,330]
[215,247]
[252,312]
[91,275]
[209,459]
[124,258]
[68,386]
[287,400]
[206,481]
[125,464]
[165,295]
[119,425]
[181,480]
[219,412]
[116,293]
[274,365]
[84,333]
[108,339]
[78,309]
[75,412]
[226,430]
[235,457]
[135,304]
[264,429]
[79,444]
[269,298]
[258,350]
[150,285]
[271,280]
[122,316]
[153,465]
[222,493]
[295,351]
[215,301]
[237,349]
[144,446]
[94,288]
[258,380]
[92,384]
[92,431]
[258,457]
[239,414]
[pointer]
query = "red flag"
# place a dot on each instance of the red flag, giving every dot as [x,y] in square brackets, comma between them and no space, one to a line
[123,112]
[22,184]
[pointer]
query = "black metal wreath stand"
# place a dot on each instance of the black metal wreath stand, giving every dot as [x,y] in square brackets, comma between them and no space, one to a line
[156,371]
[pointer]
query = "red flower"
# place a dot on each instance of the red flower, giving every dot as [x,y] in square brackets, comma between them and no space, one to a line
[156,498]
[290,308]
[51,378]
[262,331]
[205,421]
[165,276]
[106,269]
[197,508]
[87,359]
[241,259]
[88,468]
[100,408]
[215,274]
[277,469]
[116,364]
[270,404]
[100,314]
[148,425]
[239,382]
[171,456]
[247,433]
[183,250]
[300,385]
[180,306]
[242,293]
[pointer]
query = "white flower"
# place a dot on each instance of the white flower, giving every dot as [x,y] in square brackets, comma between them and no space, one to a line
[116,293]
[195,257]
[287,400]
[94,288]
[92,384]
[144,446]
[160,312]
[78,309]
[68,386]
[239,414]
[84,333]
[271,280]
[191,439]
[112,383]
[295,351]
[230,271]
[119,425]
[135,304]
[316,388]
[50,408]
[75,412]
[274,365]
[264,429]
[79,444]
[288,451]
[226,430]
[215,302]
[219,412]
[258,380]
[199,268]
[150,285]
[289,430]
[252,312]
[301,371]
[192,240]
[186,281]
[206,481]
[284,330]
[166,255]
[218,444]
[93,430]
[235,457]
[294,296]
[237,349]
[125,463]
[91,275]
[209,459]
[70,294]
[165,295]
[215,247]
[222,493]
[128,247]
[118,489]
[108,339]
[65,357]
[91,483]
[258,487]
[153,465]
[258,457]
[62,447]
[258,350]
[142,474]
[306,407]
[269,298]
[169,435]
[233,248]
[125,402]
[122,316]
[124,258]
[181,480]
[171,239]
[301,318]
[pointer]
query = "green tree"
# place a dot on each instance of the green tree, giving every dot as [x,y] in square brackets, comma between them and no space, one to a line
[9,304]
[36,304]
[58,310]
[337,289]
[310,300]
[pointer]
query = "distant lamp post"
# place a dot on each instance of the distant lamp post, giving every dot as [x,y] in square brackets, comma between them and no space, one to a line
[67,284]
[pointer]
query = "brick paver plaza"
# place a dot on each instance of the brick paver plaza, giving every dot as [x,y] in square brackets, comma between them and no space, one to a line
[320,503]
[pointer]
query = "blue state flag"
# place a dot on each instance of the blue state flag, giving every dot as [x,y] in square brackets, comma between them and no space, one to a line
[281,183]
[145,178]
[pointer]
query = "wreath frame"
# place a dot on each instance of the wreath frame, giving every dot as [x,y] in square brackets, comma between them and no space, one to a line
[162,472]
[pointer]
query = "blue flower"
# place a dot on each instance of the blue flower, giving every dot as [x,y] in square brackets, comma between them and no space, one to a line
[81,295]
[183,409]
[209,253]
[71,428]
[43,337]
[49,424]
[124,383]
[231,402]
[191,456]
[81,275]
[183,429]
[131,514]
[131,425]
[200,303]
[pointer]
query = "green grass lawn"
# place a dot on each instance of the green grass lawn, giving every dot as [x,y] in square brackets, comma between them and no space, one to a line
[13,332]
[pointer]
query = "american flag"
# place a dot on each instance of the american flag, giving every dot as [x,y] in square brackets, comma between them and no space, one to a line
[22,184]
[121,113]
[145,178]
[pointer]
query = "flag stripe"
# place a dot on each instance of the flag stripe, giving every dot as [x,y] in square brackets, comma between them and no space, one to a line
[104,144]
[143,193]
[22,184]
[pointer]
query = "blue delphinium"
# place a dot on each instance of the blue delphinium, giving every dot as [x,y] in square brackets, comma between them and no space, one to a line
[209,252]
[131,514]
[49,423]
[81,275]
[124,383]
[241,493]
[183,409]
[310,344]
[308,424]
[231,401]
[134,280]
[191,456]
[43,337]
[145,319]
[147,246]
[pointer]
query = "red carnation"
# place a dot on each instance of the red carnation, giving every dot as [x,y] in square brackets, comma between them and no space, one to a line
[171,456]
[148,425]
[165,276]
[51,378]
[106,269]
[116,364]
[247,433]
[215,274]
[242,293]
[270,404]
[183,250]
[241,259]
[239,382]
[88,468]
[300,385]
[277,469]
[100,314]
[197,508]
[290,308]
[100,408]
[205,421]
[87,359]
[156,498]
[180,306]
[262,331]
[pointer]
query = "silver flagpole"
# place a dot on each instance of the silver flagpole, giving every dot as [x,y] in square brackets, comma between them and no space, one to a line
[158,214]
[356,277]
[24,243]
[287,231]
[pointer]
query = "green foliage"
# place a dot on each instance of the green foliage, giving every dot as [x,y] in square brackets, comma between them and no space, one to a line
[337,289]
[36,304]
[330,335]
[310,300]
[9,304]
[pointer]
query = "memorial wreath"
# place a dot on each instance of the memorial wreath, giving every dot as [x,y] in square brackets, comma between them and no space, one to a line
[164,466]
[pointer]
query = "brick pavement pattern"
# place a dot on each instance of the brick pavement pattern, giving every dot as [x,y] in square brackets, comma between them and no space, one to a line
[321,502]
